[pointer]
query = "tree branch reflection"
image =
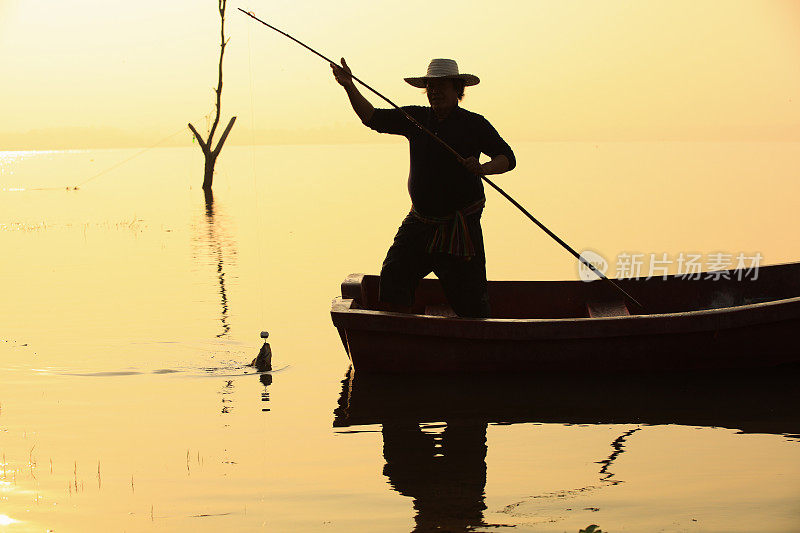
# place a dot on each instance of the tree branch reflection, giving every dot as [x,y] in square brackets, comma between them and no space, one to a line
[221,251]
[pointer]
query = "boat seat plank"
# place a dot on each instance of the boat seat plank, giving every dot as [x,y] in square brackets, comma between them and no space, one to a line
[607,309]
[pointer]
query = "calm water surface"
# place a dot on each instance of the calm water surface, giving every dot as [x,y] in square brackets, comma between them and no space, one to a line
[133,304]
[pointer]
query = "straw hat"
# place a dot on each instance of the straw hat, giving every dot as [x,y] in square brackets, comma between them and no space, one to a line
[443,68]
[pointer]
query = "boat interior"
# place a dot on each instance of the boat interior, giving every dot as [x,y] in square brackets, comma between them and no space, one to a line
[597,299]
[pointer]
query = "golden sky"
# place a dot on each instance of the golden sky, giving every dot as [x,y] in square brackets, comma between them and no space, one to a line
[91,73]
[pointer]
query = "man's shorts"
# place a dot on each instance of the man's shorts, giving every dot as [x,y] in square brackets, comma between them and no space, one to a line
[408,261]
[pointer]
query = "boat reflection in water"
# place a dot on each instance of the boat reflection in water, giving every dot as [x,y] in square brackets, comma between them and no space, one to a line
[434,427]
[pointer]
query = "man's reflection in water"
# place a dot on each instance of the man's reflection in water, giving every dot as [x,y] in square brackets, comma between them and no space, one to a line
[444,473]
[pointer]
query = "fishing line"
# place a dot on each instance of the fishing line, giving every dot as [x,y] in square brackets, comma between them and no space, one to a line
[109,169]
[137,154]
[259,251]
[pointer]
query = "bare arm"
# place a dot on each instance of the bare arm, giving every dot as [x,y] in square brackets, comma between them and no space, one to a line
[497,165]
[361,105]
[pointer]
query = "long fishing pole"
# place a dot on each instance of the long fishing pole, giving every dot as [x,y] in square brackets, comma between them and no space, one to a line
[409,117]
[460,160]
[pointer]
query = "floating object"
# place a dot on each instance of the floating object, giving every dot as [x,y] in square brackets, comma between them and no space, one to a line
[263,361]
[727,319]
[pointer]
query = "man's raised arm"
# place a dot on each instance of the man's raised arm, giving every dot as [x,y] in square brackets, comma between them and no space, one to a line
[361,105]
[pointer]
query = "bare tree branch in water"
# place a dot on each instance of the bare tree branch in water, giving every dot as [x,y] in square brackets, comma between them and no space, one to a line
[210,153]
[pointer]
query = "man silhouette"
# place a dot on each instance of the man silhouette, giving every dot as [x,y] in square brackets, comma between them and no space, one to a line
[442,233]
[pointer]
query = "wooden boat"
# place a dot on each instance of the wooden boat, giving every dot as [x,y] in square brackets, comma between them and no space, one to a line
[725,319]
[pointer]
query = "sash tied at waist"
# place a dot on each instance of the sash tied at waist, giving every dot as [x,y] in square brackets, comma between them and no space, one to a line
[452,234]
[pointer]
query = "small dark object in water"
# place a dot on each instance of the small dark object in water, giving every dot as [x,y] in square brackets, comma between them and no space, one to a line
[263,361]
[264,334]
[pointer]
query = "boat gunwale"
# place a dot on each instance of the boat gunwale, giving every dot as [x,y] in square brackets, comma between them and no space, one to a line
[701,320]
